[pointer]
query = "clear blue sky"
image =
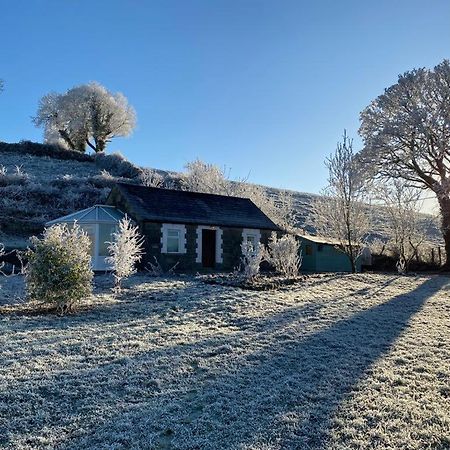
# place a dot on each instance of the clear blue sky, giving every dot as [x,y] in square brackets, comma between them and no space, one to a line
[264,87]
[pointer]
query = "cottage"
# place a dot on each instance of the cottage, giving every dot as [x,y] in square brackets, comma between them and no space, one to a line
[321,254]
[191,229]
[195,230]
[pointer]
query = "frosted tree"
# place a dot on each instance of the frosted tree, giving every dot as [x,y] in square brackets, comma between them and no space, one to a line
[151,178]
[340,213]
[85,116]
[402,227]
[406,134]
[125,251]
[284,254]
[208,178]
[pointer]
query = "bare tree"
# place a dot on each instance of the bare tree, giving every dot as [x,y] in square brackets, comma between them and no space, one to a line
[402,228]
[2,85]
[340,213]
[406,133]
[86,115]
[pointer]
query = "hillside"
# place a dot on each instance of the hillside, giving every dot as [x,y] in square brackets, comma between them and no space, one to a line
[36,187]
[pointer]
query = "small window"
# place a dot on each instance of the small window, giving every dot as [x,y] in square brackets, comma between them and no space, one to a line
[308,250]
[320,248]
[173,241]
[251,240]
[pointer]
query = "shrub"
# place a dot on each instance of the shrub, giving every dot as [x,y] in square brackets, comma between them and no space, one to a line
[151,178]
[18,177]
[251,260]
[126,251]
[117,165]
[59,268]
[284,255]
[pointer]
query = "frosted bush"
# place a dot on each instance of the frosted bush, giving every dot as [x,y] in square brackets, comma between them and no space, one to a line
[59,268]
[125,250]
[251,260]
[2,254]
[117,165]
[151,178]
[284,254]
[17,177]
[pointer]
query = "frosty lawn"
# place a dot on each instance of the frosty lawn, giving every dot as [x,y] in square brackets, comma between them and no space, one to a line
[338,362]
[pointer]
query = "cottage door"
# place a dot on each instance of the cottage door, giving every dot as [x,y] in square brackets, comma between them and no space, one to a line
[208,247]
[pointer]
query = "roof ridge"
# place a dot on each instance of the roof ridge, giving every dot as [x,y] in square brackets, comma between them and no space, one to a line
[140,186]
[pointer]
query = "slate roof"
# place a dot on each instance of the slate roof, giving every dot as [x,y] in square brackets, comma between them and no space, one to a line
[172,206]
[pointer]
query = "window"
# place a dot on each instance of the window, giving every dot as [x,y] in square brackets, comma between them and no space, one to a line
[320,248]
[251,240]
[308,250]
[252,237]
[173,238]
[173,241]
[105,231]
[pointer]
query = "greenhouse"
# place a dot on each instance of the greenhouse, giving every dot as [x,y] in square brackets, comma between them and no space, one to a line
[99,222]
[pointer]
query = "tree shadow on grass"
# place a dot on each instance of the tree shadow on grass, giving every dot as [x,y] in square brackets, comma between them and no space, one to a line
[287,394]
[284,394]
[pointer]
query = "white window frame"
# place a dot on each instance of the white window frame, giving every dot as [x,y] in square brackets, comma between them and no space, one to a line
[246,232]
[182,237]
[219,241]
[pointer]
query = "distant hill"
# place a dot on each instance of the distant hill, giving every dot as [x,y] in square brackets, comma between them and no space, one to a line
[41,182]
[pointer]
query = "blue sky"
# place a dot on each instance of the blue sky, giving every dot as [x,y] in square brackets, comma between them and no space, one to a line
[262,87]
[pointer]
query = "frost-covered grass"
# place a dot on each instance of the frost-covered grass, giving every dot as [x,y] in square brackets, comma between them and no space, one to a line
[336,362]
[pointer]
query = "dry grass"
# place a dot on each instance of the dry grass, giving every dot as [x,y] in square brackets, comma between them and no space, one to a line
[338,362]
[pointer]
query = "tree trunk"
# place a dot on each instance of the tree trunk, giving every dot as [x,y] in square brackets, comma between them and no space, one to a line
[444,204]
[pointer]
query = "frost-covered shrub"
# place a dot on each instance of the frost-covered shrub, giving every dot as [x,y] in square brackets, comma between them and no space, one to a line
[151,178]
[284,255]
[117,165]
[59,267]
[125,250]
[18,177]
[251,260]
[2,254]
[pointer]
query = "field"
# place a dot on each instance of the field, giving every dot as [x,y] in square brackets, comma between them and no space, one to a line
[334,362]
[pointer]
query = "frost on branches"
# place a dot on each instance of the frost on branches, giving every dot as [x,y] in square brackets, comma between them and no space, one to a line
[59,268]
[125,250]
[406,134]
[251,260]
[284,255]
[211,179]
[86,115]
[340,213]
[402,228]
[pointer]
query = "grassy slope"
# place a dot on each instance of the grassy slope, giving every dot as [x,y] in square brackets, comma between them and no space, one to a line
[51,188]
[355,361]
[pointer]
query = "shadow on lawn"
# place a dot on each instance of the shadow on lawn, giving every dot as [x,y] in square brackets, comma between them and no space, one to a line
[285,394]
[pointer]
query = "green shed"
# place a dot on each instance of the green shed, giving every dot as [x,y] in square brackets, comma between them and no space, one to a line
[321,254]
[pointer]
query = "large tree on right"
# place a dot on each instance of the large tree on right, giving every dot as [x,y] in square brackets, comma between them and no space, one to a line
[406,134]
